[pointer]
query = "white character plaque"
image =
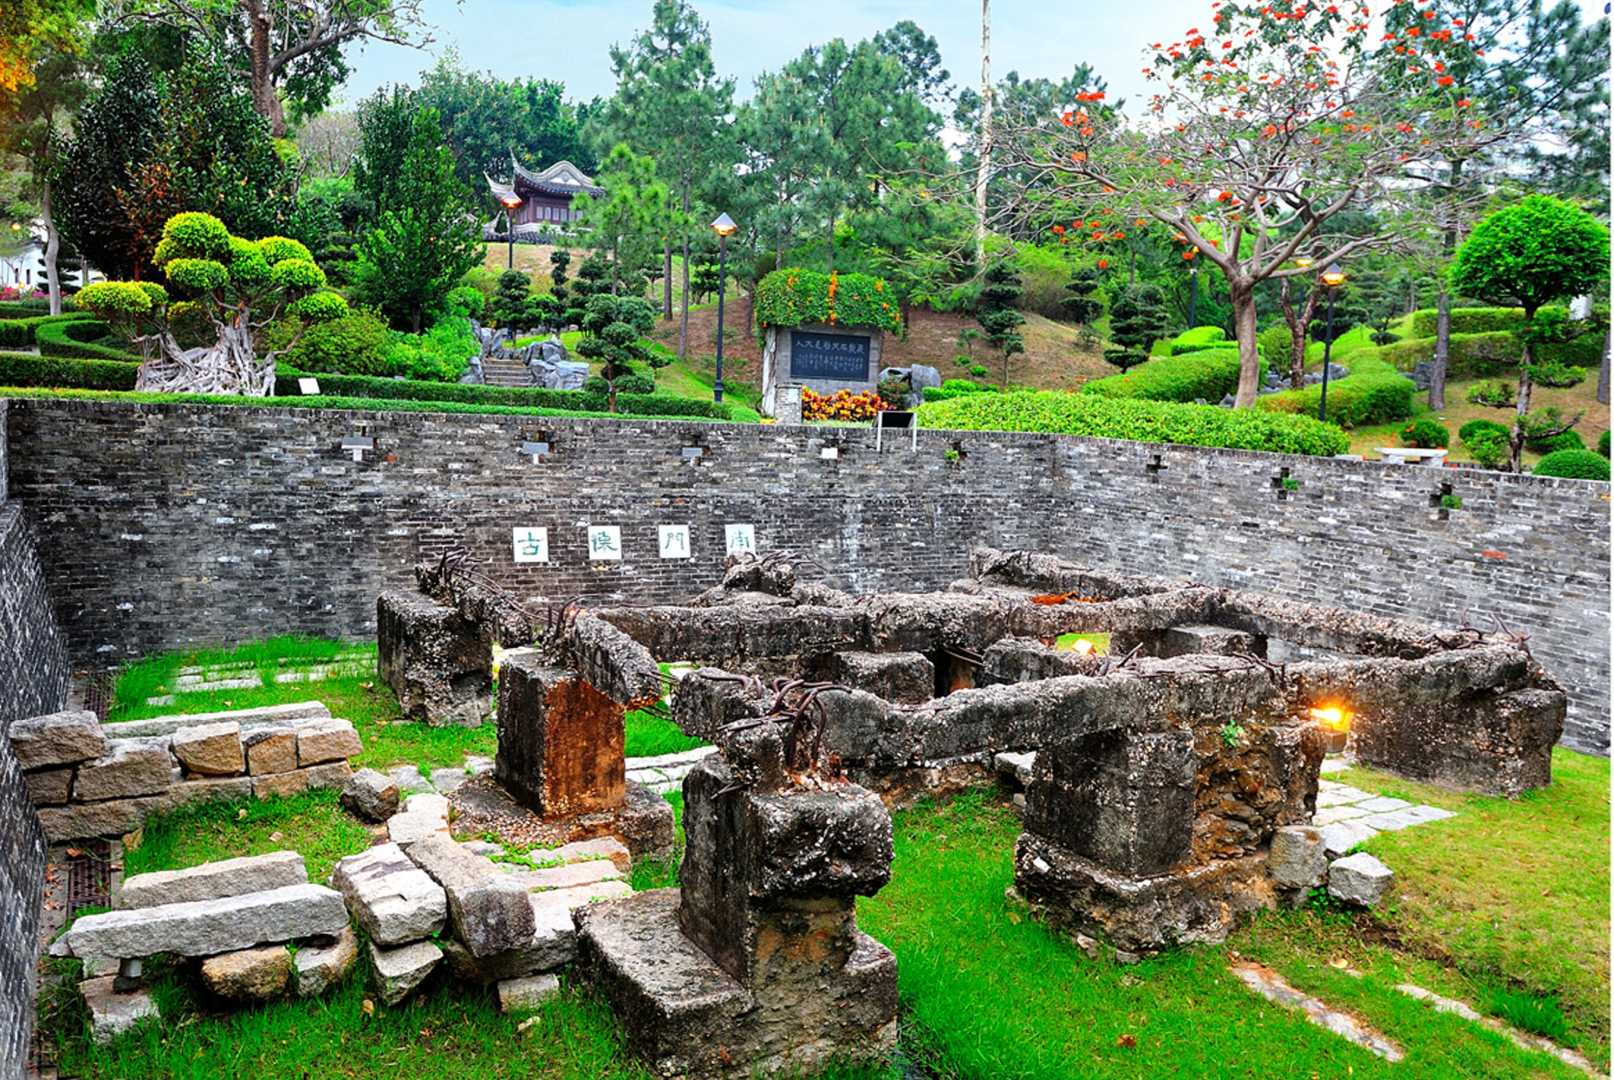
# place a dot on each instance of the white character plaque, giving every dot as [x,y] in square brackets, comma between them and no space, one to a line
[530,545]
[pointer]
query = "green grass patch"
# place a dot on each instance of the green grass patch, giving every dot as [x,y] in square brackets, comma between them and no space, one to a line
[649,735]
[1067,642]
[1529,1012]
[650,872]
[311,823]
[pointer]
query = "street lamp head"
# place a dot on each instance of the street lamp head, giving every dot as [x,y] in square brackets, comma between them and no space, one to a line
[1304,261]
[724,225]
[510,202]
[1333,277]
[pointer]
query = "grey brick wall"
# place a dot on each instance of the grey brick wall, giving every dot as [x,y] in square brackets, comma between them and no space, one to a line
[33,680]
[176,524]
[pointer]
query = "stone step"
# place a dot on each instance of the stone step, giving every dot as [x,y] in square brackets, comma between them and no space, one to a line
[247,718]
[208,927]
[211,881]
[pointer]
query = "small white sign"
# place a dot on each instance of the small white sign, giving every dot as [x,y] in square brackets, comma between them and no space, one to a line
[530,545]
[605,542]
[308,386]
[740,539]
[674,541]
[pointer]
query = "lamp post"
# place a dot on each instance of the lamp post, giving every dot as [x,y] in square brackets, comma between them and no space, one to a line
[1331,279]
[724,228]
[510,202]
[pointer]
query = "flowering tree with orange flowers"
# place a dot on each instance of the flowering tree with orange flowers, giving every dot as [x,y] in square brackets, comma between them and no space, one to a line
[1268,125]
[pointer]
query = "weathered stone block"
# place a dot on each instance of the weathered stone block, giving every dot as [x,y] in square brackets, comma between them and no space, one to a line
[903,677]
[1359,879]
[208,927]
[399,971]
[320,967]
[706,700]
[526,994]
[1298,859]
[491,913]
[371,795]
[130,767]
[210,749]
[394,900]
[1204,638]
[111,1012]
[248,974]
[438,663]
[49,787]
[280,785]
[560,740]
[62,738]
[319,741]
[115,817]
[270,750]
[210,881]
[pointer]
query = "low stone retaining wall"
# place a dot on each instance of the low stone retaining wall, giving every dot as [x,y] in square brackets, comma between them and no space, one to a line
[88,779]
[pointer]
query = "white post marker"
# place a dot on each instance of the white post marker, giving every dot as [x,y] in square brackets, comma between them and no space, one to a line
[674,541]
[605,543]
[740,539]
[530,545]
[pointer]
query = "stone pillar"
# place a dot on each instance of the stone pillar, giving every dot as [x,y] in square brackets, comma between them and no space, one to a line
[560,740]
[439,663]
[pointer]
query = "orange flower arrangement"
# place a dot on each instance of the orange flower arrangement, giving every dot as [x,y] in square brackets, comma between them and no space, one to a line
[841,405]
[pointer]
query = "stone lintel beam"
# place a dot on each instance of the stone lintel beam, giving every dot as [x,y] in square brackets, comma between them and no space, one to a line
[1042,573]
[724,635]
[708,699]
[1339,629]
[614,663]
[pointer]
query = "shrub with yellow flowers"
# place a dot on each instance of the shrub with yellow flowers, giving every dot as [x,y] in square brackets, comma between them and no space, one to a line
[841,405]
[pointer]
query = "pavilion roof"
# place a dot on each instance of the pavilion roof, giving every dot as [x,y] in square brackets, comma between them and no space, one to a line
[561,178]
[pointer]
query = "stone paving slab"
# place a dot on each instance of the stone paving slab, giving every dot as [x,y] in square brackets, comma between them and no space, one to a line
[1523,1039]
[1270,985]
[1348,815]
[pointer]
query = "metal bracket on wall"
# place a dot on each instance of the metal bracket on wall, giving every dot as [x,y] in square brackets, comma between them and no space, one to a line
[896,420]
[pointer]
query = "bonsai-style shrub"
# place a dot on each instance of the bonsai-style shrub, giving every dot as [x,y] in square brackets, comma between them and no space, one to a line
[1493,392]
[1425,434]
[612,329]
[1474,427]
[1137,319]
[1488,446]
[508,308]
[1574,464]
[1536,251]
[233,288]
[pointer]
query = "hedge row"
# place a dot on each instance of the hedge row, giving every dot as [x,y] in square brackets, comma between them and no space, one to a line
[1487,354]
[1143,421]
[952,388]
[796,297]
[1208,374]
[21,331]
[375,387]
[23,309]
[24,369]
[1468,320]
[80,339]
[1373,393]
[1196,338]
[313,401]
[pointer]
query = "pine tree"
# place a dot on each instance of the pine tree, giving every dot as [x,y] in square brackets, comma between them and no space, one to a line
[559,260]
[593,279]
[1084,305]
[1137,320]
[509,307]
[997,314]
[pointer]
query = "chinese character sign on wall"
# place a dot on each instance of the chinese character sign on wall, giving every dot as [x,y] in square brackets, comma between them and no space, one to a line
[740,539]
[605,542]
[530,545]
[674,541]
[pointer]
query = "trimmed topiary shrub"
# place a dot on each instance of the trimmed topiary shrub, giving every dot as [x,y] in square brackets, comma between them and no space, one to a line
[1564,440]
[355,343]
[1207,374]
[23,369]
[1489,448]
[627,384]
[1573,464]
[84,339]
[21,332]
[952,388]
[1474,427]
[1094,416]
[1275,343]
[1195,339]
[1426,434]
[1373,393]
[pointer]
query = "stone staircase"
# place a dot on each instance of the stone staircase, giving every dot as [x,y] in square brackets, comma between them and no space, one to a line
[505,373]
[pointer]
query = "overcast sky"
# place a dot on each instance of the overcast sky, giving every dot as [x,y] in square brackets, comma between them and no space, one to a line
[567,39]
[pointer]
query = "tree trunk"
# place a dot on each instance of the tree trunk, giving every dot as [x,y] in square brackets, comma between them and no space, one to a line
[1526,384]
[683,303]
[1297,358]
[983,169]
[415,318]
[53,244]
[666,278]
[264,98]
[1437,377]
[229,366]
[1602,374]
[1243,297]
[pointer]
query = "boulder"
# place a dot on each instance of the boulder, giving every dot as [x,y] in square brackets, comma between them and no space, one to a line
[371,795]
[921,376]
[1298,859]
[320,741]
[398,971]
[130,767]
[1359,879]
[320,967]
[210,749]
[491,912]
[112,1013]
[62,738]
[208,927]
[524,995]
[271,750]
[210,881]
[249,974]
[394,900]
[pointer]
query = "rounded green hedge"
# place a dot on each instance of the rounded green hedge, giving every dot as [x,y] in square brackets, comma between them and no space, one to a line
[1373,393]
[1426,434]
[1196,338]
[20,332]
[25,369]
[1474,427]
[1095,416]
[1207,374]
[82,339]
[1564,440]
[796,297]
[1573,464]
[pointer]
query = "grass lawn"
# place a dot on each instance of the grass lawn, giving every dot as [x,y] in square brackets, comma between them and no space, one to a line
[312,823]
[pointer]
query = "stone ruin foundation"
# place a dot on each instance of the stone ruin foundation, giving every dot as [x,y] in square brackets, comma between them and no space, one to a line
[565,683]
[755,964]
[1163,768]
